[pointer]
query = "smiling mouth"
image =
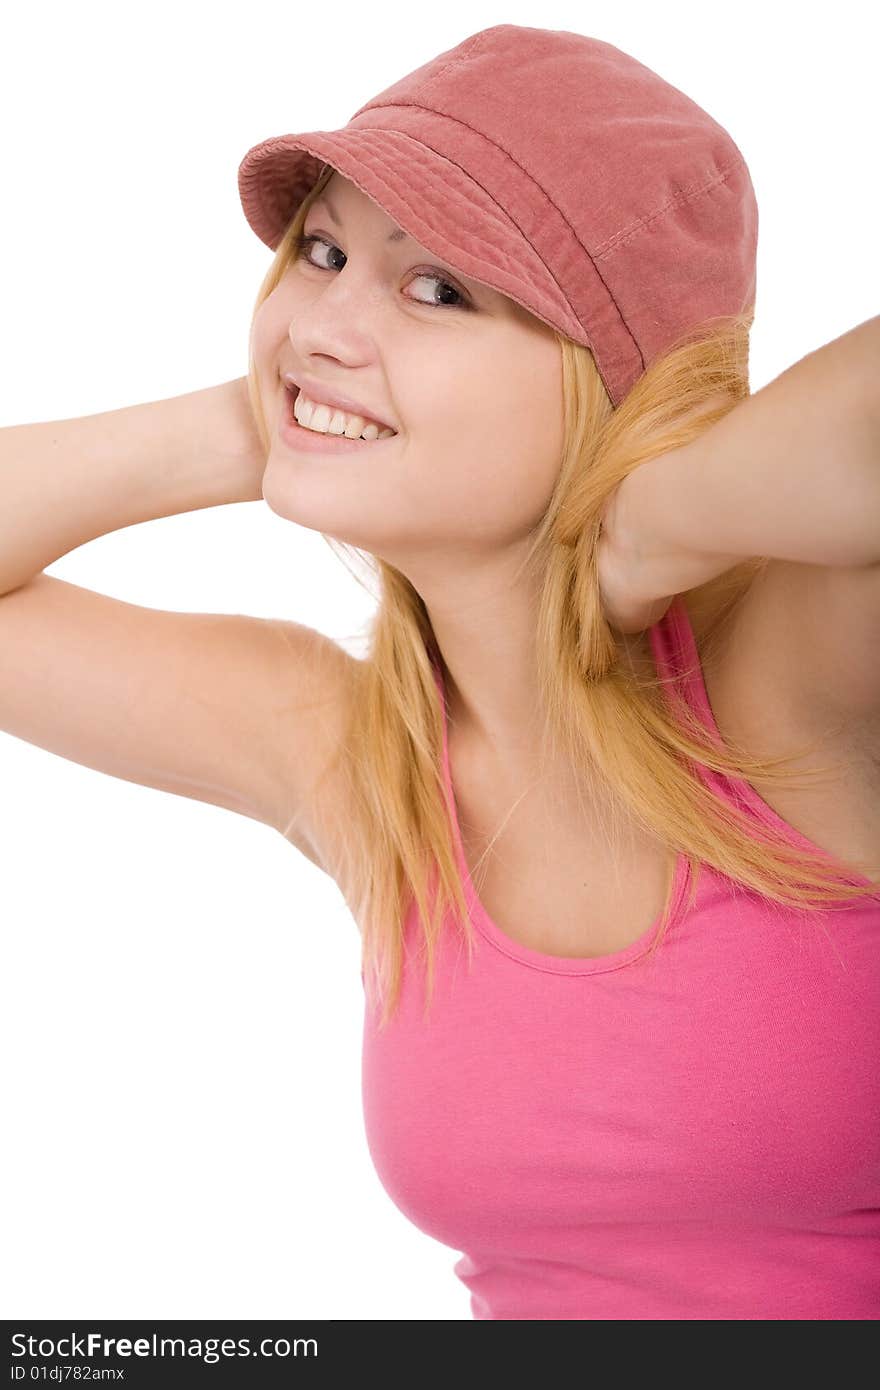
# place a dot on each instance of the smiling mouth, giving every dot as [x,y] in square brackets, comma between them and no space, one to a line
[342,440]
[291,393]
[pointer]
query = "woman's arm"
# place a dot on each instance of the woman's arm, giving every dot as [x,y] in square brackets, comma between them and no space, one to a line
[791,473]
[65,482]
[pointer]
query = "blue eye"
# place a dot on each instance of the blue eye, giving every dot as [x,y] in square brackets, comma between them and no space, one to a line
[307,242]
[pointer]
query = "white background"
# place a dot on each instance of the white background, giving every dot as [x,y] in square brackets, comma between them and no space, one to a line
[182,1005]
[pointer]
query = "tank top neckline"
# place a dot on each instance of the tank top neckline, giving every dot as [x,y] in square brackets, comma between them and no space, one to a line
[676,656]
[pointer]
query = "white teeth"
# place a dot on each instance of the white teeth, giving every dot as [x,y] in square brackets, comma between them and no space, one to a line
[325,419]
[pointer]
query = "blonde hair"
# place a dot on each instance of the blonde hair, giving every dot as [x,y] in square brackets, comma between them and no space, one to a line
[612,723]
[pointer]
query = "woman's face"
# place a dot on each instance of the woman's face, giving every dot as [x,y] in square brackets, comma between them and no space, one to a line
[471,382]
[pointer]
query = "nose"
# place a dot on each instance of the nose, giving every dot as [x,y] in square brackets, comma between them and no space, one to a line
[336,319]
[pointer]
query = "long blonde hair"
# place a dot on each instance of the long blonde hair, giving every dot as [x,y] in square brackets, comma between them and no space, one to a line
[612,723]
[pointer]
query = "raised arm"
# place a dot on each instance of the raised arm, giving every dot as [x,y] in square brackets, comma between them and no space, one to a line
[239,711]
[66,482]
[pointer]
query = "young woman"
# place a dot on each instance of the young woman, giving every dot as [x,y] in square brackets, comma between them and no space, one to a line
[620,1042]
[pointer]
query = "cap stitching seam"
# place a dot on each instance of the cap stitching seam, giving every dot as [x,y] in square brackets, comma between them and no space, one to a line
[687,195]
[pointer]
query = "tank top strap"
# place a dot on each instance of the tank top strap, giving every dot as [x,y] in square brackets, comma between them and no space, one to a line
[677,661]
[678,664]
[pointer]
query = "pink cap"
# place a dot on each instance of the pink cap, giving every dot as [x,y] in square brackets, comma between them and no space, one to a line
[555,169]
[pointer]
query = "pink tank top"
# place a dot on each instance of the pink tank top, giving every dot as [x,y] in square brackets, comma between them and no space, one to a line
[689,1136]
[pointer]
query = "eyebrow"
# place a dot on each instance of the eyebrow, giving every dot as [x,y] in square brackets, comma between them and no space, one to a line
[323,198]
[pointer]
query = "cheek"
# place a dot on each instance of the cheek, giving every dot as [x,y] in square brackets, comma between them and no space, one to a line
[268,330]
[493,470]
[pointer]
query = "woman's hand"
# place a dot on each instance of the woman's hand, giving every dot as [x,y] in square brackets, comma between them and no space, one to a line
[639,576]
[221,420]
[618,562]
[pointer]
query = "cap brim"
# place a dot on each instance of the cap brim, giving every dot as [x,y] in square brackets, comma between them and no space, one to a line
[426,194]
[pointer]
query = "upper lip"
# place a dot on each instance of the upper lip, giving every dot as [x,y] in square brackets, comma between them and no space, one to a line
[316,392]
